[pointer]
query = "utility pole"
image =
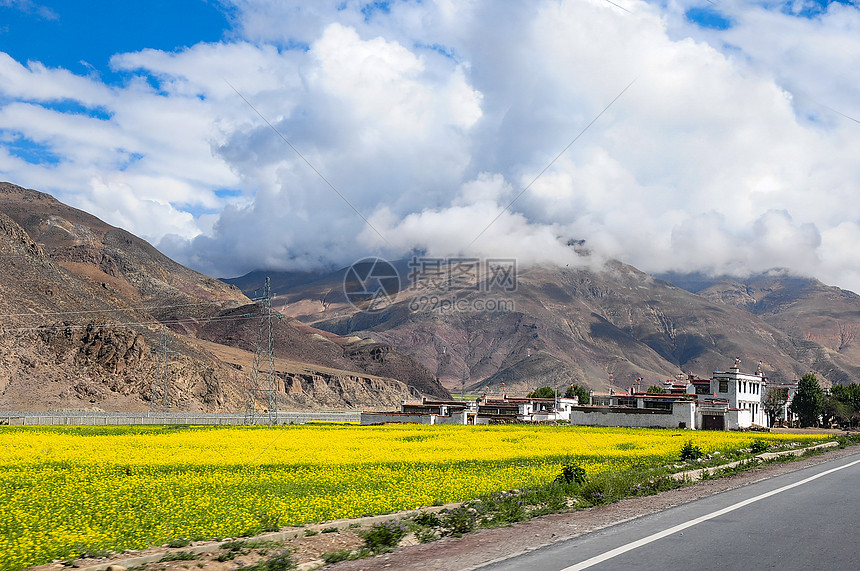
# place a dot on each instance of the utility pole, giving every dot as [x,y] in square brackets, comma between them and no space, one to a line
[162,365]
[262,407]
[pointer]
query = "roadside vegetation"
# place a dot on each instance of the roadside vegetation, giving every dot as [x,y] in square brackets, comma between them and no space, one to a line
[67,492]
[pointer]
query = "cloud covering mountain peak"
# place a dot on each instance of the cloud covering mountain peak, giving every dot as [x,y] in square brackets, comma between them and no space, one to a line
[382,128]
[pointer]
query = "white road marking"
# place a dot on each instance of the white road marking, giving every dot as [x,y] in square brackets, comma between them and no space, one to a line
[682,526]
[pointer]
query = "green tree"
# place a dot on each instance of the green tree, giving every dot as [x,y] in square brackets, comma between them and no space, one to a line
[579,392]
[835,411]
[773,401]
[848,394]
[808,401]
[542,393]
[655,389]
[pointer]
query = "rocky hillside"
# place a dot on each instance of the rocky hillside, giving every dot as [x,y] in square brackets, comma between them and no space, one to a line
[82,310]
[602,327]
[823,321]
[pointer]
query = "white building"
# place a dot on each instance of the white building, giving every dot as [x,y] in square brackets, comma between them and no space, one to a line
[743,391]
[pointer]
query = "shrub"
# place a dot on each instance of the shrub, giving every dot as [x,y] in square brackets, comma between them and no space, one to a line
[179,556]
[595,492]
[336,556]
[758,446]
[459,521]
[510,511]
[426,535]
[282,561]
[690,451]
[346,555]
[178,542]
[428,519]
[572,473]
[384,537]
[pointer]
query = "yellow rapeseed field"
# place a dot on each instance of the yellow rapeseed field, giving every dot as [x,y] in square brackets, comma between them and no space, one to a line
[68,491]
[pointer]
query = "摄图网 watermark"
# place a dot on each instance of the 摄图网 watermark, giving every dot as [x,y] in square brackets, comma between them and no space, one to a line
[442,284]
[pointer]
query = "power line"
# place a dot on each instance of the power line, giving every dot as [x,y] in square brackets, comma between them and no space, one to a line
[307,162]
[617,6]
[108,310]
[214,319]
[552,162]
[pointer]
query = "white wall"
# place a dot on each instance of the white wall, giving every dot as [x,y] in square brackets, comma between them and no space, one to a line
[682,412]
[738,418]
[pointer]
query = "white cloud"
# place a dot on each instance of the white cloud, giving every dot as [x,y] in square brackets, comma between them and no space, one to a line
[430,118]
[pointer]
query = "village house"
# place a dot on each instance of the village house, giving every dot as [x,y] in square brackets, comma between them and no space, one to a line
[729,400]
[484,410]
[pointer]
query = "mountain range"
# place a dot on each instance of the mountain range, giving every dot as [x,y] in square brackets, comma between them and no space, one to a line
[90,313]
[602,327]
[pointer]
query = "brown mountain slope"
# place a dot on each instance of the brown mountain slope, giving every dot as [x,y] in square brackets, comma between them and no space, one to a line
[823,318]
[573,325]
[81,309]
[298,342]
[128,269]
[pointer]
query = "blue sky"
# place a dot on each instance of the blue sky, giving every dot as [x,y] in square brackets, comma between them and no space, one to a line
[82,36]
[734,150]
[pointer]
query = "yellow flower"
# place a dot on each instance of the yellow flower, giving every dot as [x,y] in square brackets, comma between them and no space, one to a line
[66,491]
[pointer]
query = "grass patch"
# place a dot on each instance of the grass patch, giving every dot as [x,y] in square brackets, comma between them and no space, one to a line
[282,561]
[179,556]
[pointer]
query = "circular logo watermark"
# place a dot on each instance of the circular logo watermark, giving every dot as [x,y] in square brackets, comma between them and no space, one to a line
[371,284]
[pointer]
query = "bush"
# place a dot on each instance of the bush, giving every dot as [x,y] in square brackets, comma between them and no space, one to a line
[690,452]
[511,511]
[282,561]
[426,535]
[179,556]
[428,519]
[336,556]
[758,446]
[459,521]
[571,473]
[384,537]
[595,492]
[178,542]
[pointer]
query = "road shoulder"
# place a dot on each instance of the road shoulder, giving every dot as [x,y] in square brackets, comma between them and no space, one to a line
[489,545]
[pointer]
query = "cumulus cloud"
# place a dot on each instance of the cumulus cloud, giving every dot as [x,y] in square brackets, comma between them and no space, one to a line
[419,126]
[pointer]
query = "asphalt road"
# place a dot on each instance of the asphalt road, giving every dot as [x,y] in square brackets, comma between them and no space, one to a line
[803,520]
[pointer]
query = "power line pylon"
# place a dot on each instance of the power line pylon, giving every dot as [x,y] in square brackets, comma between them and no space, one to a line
[163,370]
[262,407]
